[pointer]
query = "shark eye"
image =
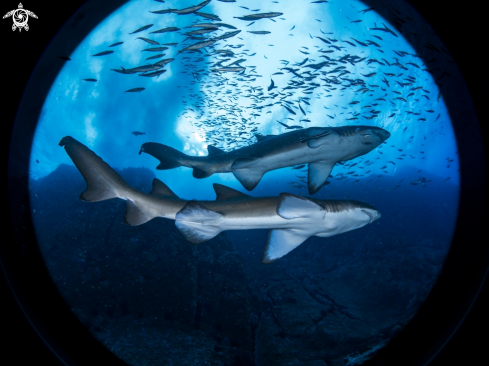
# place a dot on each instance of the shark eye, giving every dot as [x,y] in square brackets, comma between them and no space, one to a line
[357,129]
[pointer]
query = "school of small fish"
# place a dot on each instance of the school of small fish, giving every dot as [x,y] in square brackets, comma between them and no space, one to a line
[222,78]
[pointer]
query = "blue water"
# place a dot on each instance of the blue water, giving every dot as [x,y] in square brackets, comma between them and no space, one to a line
[352,292]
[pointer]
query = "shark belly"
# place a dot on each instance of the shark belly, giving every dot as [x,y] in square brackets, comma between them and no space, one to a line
[253,222]
[248,213]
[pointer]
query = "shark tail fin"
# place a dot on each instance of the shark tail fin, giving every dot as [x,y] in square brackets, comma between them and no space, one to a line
[197,223]
[169,157]
[103,182]
[100,187]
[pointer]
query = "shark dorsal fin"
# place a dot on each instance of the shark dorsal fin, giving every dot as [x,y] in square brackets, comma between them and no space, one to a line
[161,190]
[280,242]
[212,150]
[291,207]
[225,193]
[262,137]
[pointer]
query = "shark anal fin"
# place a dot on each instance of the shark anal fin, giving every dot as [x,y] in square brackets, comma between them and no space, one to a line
[248,176]
[212,150]
[200,173]
[161,190]
[280,242]
[318,174]
[225,193]
[97,191]
[197,223]
[135,215]
[291,206]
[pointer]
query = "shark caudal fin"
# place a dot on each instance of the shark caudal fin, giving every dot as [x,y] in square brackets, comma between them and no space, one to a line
[169,157]
[197,223]
[244,171]
[200,172]
[103,182]
[282,241]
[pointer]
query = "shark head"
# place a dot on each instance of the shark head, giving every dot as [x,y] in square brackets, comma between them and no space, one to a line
[308,217]
[346,142]
[359,140]
[366,135]
[356,136]
[344,216]
[327,215]
[372,213]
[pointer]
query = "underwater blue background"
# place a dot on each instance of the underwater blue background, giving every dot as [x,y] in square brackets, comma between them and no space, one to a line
[189,106]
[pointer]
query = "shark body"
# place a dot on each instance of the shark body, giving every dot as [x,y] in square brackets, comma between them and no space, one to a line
[292,219]
[319,147]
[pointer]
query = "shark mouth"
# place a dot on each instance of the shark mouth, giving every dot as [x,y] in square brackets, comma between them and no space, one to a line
[381,136]
[372,218]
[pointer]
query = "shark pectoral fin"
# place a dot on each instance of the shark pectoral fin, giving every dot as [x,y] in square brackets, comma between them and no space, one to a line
[291,206]
[317,136]
[224,193]
[212,150]
[248,176]
[280,242]
[318,173]
[161,190]
[197,223]
[318,141]
[136,215]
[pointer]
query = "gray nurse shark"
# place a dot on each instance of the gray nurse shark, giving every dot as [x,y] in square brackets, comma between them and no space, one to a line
[292,219]
[320,147]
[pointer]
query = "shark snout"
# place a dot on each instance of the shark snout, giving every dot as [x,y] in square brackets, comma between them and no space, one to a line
[383,134]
